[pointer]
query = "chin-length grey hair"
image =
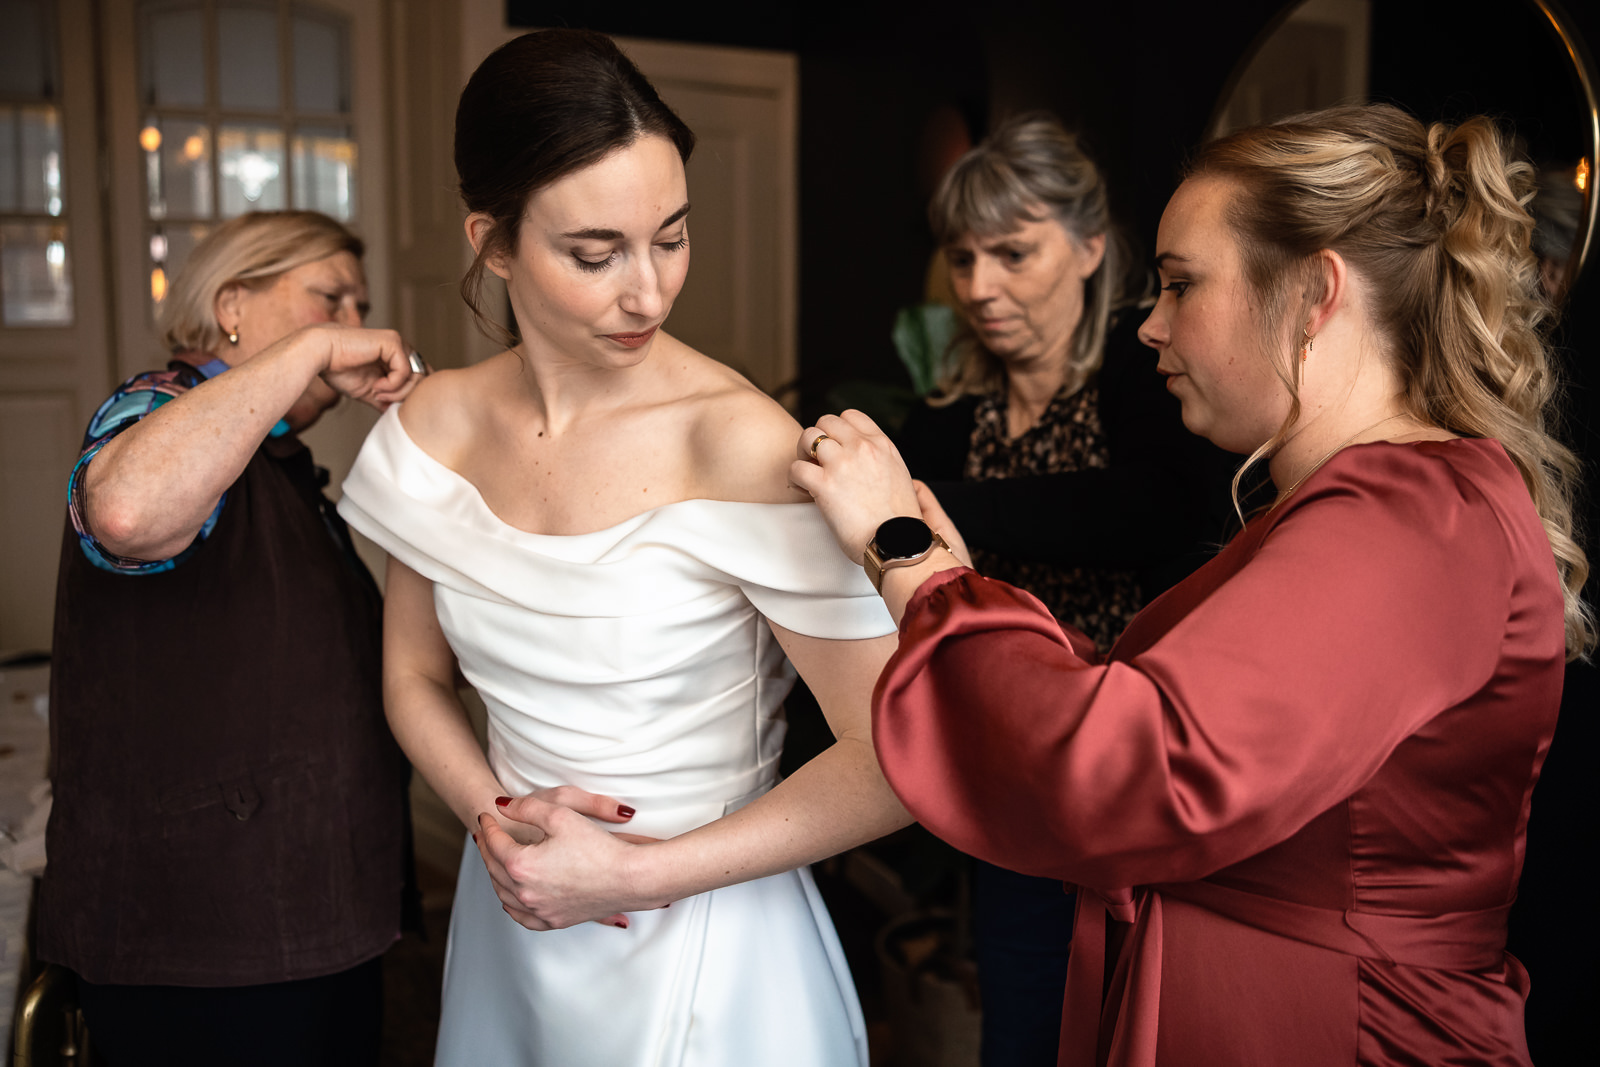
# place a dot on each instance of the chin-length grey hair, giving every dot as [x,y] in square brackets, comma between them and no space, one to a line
[1028,170]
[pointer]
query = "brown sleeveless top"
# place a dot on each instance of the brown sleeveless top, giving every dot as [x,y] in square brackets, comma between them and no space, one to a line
[227,793]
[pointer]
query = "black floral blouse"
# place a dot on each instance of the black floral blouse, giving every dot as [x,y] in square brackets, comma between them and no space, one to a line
[1068,437]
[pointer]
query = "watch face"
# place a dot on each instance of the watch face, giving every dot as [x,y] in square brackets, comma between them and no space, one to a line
[903,537]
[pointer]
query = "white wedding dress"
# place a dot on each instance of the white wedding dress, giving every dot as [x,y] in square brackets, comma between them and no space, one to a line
[633,661]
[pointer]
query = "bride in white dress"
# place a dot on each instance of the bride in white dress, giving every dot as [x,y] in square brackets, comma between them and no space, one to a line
[597,525]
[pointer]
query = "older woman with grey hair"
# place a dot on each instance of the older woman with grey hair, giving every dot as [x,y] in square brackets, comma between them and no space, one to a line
[1057,452]
[226,848]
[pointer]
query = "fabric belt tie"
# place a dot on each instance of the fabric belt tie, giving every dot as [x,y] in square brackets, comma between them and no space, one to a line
[1098,1020]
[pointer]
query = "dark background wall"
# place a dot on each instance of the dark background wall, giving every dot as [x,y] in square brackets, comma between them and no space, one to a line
[1140,81]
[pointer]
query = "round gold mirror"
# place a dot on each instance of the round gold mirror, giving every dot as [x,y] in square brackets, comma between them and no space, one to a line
[1521,62]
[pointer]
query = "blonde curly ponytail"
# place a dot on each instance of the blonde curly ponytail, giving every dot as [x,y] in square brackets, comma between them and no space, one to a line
[1436,219]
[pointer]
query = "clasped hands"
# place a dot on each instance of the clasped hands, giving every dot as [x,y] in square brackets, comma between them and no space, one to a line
[560,869]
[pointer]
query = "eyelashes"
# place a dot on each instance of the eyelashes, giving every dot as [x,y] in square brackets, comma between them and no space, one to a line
[595,266]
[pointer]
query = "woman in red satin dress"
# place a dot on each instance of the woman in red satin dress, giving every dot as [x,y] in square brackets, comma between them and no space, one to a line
[1296,791]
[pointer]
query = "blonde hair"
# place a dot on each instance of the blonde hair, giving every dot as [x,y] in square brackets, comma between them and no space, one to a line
[1027,164]
[252,250]
[1435,219]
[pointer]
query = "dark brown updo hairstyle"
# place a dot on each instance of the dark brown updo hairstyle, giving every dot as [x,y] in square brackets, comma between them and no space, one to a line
[537,109]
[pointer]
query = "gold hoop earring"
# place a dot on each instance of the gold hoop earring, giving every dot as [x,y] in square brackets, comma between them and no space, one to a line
[1307,344]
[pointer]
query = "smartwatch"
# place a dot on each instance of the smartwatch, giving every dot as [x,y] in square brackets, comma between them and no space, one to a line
[900,542]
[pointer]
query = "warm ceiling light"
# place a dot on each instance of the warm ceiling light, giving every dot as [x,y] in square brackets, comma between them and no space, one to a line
[252,171]
[194,147]
[158,285]
[149,138]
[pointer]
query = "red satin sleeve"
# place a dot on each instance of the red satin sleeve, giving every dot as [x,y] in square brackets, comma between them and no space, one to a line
[1251,698]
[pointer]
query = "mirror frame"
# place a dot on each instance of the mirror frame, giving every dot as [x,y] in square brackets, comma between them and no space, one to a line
[1582,65]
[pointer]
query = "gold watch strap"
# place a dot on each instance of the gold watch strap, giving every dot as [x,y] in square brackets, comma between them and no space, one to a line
[875,565]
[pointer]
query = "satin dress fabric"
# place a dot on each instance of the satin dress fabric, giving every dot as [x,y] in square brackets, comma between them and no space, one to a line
[634,661]
[1296,792]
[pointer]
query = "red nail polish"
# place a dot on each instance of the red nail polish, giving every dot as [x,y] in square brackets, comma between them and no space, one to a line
[625,811]
[621,925]
[474,839]
[502,801]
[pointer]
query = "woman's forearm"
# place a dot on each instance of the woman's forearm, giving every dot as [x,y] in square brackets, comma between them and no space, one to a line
[834,802]
[419,697]
[151,488]
[432,728]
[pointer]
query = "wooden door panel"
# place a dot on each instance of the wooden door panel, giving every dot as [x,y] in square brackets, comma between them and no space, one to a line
[39,436]
[52,378]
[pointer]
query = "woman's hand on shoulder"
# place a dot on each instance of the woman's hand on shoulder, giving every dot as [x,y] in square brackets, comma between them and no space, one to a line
[856,476]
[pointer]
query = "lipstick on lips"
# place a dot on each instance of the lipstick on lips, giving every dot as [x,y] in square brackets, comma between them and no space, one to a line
[632,340]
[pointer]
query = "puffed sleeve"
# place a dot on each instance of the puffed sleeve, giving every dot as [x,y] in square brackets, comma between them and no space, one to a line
[133,400]
[1283,675]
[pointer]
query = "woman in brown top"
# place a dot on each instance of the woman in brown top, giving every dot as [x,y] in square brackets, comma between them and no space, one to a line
[225,850]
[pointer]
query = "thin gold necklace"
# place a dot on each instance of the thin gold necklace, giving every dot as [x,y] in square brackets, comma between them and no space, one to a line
[1329,455]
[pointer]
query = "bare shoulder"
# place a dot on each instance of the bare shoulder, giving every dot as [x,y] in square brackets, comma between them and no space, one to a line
[442,411]
[741,441]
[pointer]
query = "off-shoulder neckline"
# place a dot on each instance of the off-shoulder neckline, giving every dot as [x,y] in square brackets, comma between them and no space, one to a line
[637,518]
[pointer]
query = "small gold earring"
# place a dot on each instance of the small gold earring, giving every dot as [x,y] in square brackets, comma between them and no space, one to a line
[233,337]
[1307,345]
